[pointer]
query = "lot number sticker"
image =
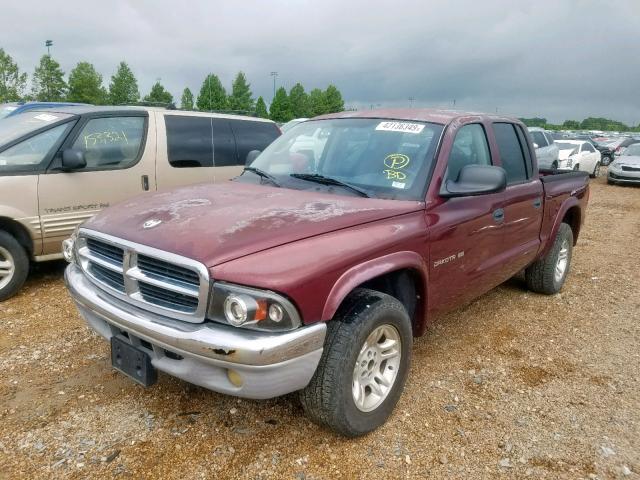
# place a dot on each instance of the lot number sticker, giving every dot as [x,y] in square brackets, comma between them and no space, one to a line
[404,127]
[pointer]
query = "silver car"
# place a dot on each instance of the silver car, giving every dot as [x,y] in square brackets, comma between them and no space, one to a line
[626,167]
[546,150]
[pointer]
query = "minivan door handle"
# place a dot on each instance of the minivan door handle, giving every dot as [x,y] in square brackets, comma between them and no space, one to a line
[498,215]
[145,182]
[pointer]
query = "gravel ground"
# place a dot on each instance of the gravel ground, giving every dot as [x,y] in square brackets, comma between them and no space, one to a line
[515,385]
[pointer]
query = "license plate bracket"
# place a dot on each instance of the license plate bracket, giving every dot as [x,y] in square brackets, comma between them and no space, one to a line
[133,362]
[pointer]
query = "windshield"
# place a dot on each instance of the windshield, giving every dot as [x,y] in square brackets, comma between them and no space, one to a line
[6,109]
[15,126]
[632,150]
[566,146]
[383,158]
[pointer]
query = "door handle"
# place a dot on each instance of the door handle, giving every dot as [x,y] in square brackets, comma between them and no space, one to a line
[498,215]
[145,182]
[537,203]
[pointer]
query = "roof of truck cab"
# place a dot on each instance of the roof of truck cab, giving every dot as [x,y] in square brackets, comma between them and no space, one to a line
[93,109]
[431,115]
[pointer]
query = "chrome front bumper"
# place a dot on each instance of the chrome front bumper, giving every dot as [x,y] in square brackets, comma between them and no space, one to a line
[268,364]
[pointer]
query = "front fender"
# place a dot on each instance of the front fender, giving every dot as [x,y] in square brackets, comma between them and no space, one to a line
[370,269]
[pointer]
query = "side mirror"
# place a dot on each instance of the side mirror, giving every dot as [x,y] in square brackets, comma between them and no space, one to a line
[251,156]
[476,180]
[535,145]
[73,159]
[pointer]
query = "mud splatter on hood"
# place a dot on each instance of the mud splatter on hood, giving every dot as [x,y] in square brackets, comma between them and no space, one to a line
[217,223]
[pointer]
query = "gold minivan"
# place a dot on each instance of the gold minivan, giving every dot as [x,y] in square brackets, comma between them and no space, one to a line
[58,167]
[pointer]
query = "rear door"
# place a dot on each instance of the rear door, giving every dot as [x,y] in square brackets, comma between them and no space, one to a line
[120,164]
[466,232]
[523,198]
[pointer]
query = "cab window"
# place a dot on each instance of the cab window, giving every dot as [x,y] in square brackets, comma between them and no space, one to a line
[470,147]
[511,153]
[111,142]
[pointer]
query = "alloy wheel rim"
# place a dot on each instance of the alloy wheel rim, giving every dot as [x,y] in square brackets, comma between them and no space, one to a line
[563,261]
[376,368]
[7,267]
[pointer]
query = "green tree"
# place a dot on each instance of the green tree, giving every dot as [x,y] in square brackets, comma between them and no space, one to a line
[158,94]
[317,103]
[241,97]
[47,83]
[85,85]
[571,125]
[123,88]
[186,102]
[280,110]
[261,108]
[333,99]
[212,94]
[299,101]
[12,82]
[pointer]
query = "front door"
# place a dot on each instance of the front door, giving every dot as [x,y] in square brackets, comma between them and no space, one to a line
[120,164]
[465,233]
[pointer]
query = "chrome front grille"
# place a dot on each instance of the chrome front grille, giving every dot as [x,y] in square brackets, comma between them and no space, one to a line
[152,279]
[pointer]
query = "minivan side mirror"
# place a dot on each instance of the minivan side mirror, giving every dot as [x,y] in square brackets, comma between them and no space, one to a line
[476,180]
[73,159]
[251,156]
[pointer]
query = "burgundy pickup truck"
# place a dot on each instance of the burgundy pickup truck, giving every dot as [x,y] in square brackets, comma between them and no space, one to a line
[314,270]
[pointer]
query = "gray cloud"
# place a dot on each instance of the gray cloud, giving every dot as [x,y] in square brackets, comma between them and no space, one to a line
[556,59]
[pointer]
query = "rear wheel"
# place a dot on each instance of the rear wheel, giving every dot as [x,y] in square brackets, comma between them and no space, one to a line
[364,364]
[14,266]
[596,171]
[548,274]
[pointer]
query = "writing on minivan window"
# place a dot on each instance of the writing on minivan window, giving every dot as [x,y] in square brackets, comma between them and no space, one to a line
[102,138]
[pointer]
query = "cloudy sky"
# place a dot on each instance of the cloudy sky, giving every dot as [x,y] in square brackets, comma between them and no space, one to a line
[555,59]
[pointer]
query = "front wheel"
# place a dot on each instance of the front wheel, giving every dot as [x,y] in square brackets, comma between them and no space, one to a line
[548,274]
[14,266]
[364,364]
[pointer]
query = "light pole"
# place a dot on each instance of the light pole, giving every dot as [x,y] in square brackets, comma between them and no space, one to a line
[411,99]
[48,44]
[274,75]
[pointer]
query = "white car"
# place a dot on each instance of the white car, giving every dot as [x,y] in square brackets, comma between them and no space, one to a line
[626,167]
[579,155]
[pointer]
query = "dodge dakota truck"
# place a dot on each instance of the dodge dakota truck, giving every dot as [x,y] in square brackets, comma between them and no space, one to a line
[314,269]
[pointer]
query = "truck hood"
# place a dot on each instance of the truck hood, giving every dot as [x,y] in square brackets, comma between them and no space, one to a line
[217,223]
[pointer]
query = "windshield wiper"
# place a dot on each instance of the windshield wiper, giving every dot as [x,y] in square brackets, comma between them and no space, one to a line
[263,174]
[316,177]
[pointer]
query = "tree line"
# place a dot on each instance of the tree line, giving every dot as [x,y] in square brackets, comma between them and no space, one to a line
[590,123]
[85,85]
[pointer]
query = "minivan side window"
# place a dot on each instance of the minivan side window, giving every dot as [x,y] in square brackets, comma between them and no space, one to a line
[224,146]
[189,142]
[252,136]
[111,142]
[470,147]
[510,152]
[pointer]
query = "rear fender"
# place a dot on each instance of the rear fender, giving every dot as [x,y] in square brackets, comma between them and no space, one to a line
[567,205]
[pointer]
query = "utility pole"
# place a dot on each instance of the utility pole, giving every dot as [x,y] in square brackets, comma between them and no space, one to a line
[274,75]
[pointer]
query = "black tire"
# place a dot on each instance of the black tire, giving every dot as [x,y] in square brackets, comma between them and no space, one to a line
[554,165]
[19,259]
[576,168]
[328,399]
[541,276]
[606,160]
[610,182]
[596,171]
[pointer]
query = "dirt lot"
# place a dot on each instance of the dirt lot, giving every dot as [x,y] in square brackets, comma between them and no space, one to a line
[515,385]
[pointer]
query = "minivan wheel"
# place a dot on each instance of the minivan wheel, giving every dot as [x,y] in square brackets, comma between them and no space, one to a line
[364,364]
[14,266]
[548,274]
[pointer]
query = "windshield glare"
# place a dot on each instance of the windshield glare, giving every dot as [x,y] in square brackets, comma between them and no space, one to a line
[6,109]
[632,150]
[16,126]
[385,158]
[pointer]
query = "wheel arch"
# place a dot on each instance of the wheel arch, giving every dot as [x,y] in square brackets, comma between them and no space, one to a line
[19,232]
[400,274]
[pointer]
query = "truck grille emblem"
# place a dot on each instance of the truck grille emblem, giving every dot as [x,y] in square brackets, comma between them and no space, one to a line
[154,222]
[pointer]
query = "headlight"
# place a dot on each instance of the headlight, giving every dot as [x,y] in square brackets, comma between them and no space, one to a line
[251,308]
[68,246]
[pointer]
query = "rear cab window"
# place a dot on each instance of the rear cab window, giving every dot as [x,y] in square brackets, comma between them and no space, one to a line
[512,147]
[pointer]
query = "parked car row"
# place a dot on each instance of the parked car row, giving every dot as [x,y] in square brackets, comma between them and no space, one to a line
[61,166]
